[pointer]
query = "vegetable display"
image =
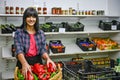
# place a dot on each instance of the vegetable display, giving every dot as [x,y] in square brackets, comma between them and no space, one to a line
[39,72]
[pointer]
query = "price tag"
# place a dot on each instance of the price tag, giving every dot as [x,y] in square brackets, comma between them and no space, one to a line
[89,48]
[61,30]
[113,27]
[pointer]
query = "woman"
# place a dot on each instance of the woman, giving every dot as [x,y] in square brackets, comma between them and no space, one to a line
[30,42]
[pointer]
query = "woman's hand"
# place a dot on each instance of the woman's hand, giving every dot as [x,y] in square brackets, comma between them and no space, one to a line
[25,68]
[50,61]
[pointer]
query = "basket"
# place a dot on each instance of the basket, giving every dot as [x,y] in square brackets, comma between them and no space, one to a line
[58,76]
[15,73]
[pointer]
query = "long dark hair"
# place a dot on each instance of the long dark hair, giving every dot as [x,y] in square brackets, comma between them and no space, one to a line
[27,13]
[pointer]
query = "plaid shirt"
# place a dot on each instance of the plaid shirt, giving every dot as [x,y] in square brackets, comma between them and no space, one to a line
[22,41]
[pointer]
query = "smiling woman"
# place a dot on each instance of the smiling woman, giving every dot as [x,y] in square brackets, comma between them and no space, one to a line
[30,42]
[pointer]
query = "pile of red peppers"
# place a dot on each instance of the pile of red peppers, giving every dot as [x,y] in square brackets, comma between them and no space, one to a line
[40,72]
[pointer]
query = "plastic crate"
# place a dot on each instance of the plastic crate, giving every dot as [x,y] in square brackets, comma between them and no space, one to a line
[6,29]
[69,27]
[76,29]
[70,70]
[90,45]
[57,49]
[85,70]
[69,75]
[100,75]
[113,25]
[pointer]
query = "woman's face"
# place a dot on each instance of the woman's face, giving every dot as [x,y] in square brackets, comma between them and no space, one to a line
[31,21]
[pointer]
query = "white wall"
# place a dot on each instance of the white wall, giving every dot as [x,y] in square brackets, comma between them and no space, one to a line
[114,7]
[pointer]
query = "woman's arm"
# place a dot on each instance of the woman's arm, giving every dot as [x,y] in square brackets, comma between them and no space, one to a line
[21,58]
[20,52]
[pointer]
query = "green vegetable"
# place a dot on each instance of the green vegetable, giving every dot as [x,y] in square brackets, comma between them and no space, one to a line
[35,77]
[53,74]
[20,76]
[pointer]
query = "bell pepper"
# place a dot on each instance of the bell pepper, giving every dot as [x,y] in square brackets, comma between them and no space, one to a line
[35,77]
[44,76]
[38,69]
[53,74]
[50,68]
[48,76]
[29,76]
[20,76]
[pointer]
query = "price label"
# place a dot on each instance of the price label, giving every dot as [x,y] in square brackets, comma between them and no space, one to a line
[61,30]
[113,27]
[89,48]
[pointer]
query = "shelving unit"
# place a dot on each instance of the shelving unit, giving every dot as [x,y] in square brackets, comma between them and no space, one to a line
[88,31]
[71,47]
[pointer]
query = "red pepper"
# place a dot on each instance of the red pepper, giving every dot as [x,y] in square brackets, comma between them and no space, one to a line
[29,76]
[42,76]
[39,69]
[32,68]
[48,76]
[44,79]
[50,68]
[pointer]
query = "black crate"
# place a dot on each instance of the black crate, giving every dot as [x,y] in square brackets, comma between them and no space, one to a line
[114,25]
[69,27]
[57,49]
[8,28]
[70,70]
[76,29]
[69,75]
[102,75]
[78,70]
[78,26]
[85,48]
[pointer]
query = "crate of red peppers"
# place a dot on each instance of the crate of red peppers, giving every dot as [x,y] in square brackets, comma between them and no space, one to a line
[56,46]
[40,72]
